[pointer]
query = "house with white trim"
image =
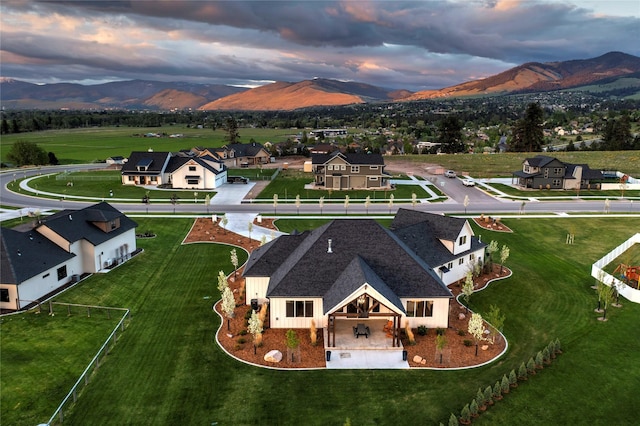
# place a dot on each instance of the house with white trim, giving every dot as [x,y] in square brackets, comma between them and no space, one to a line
[355,269]
[43,259]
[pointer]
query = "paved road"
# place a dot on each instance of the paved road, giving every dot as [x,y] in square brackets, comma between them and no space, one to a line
[231,199]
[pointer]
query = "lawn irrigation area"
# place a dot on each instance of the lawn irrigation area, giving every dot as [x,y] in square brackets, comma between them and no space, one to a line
[166,367]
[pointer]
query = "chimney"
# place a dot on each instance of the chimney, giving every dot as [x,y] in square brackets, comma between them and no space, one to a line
[329,248]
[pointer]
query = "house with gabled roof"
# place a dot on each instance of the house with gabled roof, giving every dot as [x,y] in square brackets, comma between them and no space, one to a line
[180,170]
[542,172]
[41,260]
[344,171]
[237,154]
[355,269]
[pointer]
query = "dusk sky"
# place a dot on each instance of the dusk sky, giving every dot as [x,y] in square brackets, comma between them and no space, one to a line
[393,44]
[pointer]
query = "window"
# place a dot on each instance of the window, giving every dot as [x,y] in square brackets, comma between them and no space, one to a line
[472,257]
[461,261]
[556,182]
[419,308]
[192,181]
[450,266]
[131,178]
[4,295]
[557,171]
[62,272]
[299,308]
[45,275]
[355,169]
[463,240]
[192,168]
[546,173]
[373,177]
[343,167]
[154,178]
[373,167]
[113,224]
[330,167]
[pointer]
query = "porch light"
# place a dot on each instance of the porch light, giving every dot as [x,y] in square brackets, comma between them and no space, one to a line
[361,300]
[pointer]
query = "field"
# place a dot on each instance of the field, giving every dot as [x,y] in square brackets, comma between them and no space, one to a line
[167,369]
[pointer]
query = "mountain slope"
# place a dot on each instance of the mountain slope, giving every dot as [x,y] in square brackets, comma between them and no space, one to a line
[307,93]
[540,77]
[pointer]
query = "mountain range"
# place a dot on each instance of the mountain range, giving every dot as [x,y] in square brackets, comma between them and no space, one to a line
[608,69]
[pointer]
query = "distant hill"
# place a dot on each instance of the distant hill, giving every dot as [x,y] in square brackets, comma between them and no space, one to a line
[135,94]
[542,77]
[307,93]
[618,71]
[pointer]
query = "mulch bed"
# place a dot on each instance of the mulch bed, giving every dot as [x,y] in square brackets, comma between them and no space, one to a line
[240,345]
[491,223]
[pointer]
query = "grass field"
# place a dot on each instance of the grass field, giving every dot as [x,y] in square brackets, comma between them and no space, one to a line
[90,145]
[167,369]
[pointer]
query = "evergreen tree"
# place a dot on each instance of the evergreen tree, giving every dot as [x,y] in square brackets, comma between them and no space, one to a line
[231,127]
[528,135]
[522,371]
[450,135]
[617,135]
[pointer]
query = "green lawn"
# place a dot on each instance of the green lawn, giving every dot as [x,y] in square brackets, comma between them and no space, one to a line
[167,369]
[543,193]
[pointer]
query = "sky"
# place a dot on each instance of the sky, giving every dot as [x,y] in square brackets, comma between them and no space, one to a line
[413,45]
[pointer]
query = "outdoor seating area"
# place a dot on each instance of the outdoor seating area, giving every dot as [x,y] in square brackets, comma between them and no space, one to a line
[348,335]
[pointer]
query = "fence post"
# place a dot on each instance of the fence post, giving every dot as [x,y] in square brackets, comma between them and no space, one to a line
[69,310]
[88,312]
[50,307]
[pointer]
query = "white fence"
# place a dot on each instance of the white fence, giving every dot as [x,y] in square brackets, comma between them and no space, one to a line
[83,380]
[598,273]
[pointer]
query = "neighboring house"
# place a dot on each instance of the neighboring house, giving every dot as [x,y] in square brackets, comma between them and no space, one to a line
[355,269]
[59,249]
[541,172]
[237,154]
[115,160]
[178,170]
[340,171]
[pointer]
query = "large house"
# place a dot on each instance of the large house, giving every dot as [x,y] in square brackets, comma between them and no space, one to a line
[41,260]
[343,171]
[356,269]
[544,172]
[237,154]
[176,170]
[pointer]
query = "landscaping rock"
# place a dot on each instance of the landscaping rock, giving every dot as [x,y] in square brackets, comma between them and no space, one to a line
[484,347]
[417,359]
[273,356]
[461,316]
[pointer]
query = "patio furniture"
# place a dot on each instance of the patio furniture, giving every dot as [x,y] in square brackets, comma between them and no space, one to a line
[361,330]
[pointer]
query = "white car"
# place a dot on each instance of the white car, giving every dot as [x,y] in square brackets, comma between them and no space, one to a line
[450,174]
[469,182]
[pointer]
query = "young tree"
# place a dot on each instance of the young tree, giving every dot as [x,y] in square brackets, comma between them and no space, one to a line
[513,379]
[346,204]
[228,305]
[367,202]
[465,415]
[504,255]
[292,342]
[491,248]
[234,261]
[250,228]
[298,202]
[504,384]
[275,203]
[222,281]
[476,328]
[495,321]
[488,395]
[441,342]
[467,290]
[225,220]
[255,328]
[466,203]
[321,203]
[522,371]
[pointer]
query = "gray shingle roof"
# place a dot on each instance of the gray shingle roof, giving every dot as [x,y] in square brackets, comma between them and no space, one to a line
[442,227]
[246,149]
[27,254]
[75,225]
[155,161]
[311,271]
[351,158]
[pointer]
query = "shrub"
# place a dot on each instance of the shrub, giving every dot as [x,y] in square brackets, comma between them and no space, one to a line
[237,347]
[522,372]
[461,333]
[467,342]
[539,360]
[497,391]
[546,356]
[473,408]
[504,384]
[488,395]
[482,405]
[422,330]
[410,336]
[465,414]
[513,379]
[551,347]
[558,347]
[313,333]
[440,331]
[453,420]
[531,366]
[242,340]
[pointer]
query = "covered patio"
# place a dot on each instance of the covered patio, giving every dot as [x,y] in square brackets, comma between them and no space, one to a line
[342,335]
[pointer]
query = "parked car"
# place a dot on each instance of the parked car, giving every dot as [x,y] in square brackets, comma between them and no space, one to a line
[450,174]
[469,182]
[237,179]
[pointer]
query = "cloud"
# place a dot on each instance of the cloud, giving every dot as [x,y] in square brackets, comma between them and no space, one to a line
[403,44]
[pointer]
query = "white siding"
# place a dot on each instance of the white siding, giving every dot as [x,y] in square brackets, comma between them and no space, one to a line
[440,318]
[256,288]
[458,271]
[278,310]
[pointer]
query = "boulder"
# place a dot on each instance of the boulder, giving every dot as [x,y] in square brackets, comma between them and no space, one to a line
[273,356]
[461,316]
[484,347]
[417,359]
